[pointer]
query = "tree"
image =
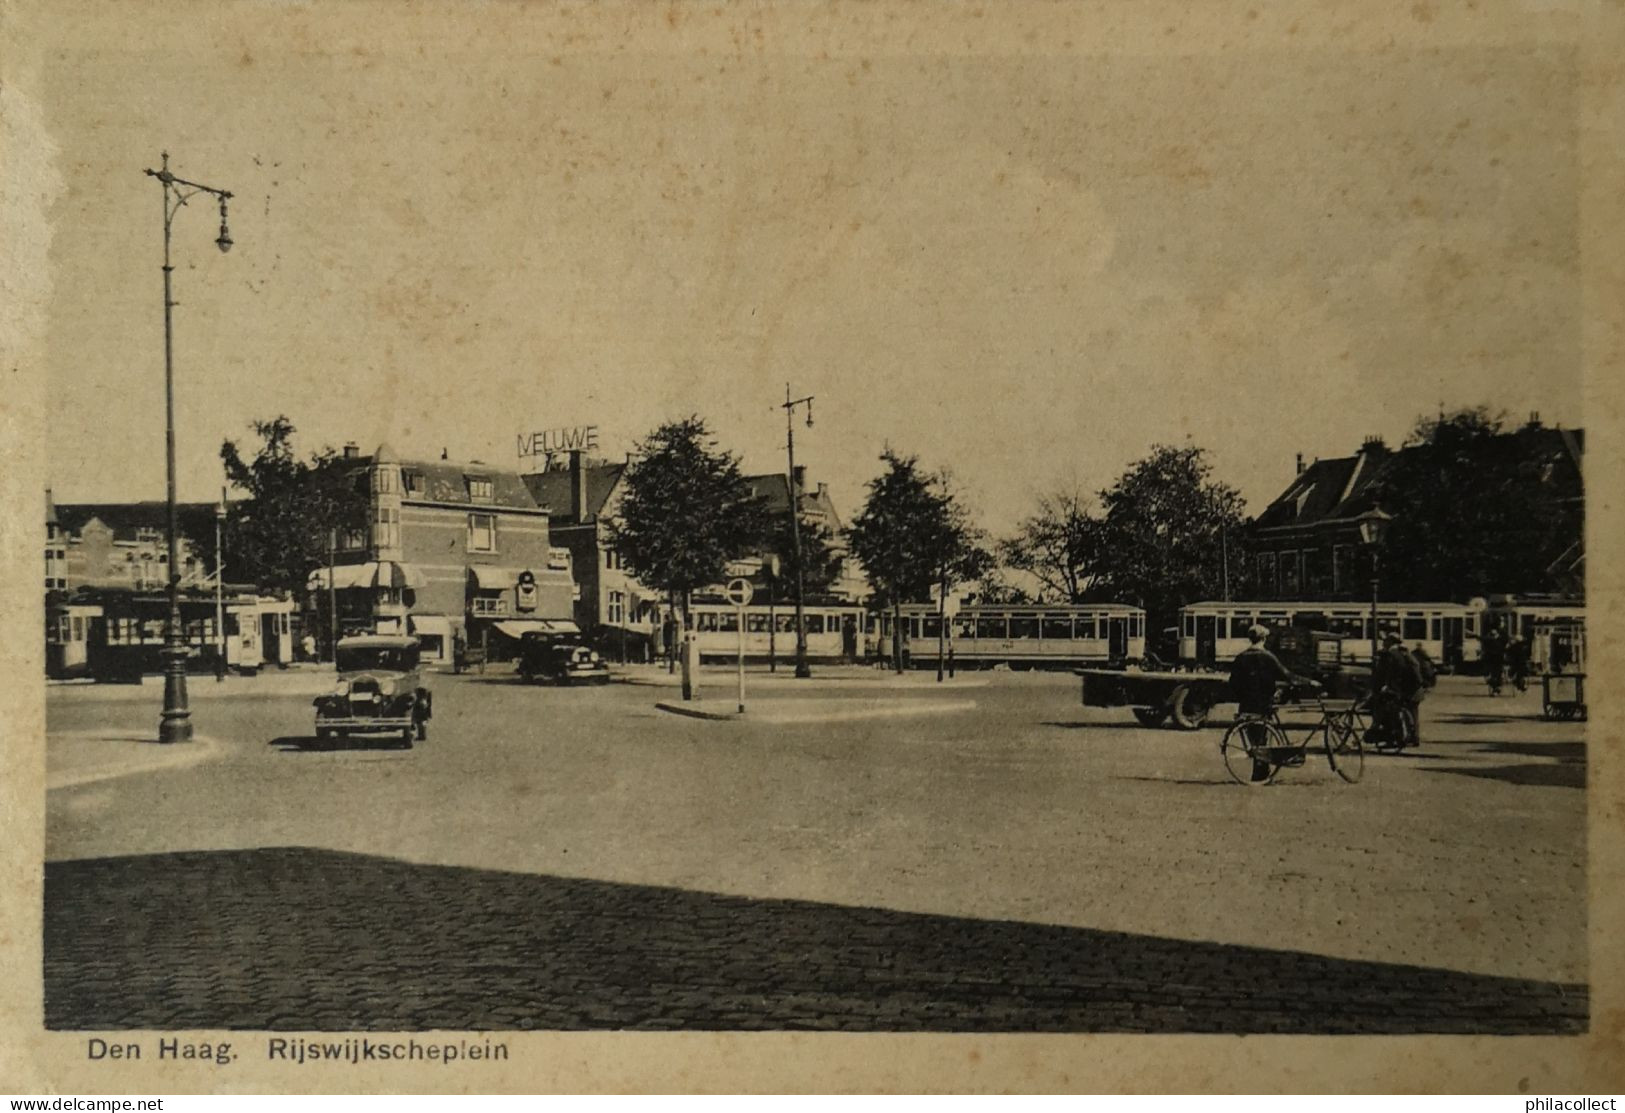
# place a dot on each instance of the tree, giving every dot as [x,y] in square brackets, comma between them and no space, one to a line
[686,512]
[1162,535]
[820,560]
[276,536]
[1056,546]
[1475,508]
[913,536]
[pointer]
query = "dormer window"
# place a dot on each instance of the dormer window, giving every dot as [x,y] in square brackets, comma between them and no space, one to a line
[479,490]
[413,481]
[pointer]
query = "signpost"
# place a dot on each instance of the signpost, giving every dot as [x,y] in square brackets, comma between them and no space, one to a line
[739,593]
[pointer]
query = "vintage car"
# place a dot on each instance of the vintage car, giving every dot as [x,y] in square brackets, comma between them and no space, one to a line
[561,659]
[380,690]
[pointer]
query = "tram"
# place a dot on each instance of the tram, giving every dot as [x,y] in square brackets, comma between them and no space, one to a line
[1025,636]
[772,630]
[1554,629]
[1212,633]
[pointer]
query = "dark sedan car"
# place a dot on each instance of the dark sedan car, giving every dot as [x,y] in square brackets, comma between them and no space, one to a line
[561,660]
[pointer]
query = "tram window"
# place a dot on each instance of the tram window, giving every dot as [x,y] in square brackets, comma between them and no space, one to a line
[728,622]
[1024,626]
[1190,626]
[1057,627]
[785,622]
[1136,626]
[755,622]
[990,626]
[814,623]
[931,627]
[706,622]
[1415,627]
[1437,625]
[963,627]
[1346,626]
[1083,627]
[1240,624]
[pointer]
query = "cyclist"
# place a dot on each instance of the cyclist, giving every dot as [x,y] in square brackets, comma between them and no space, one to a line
[1254,675]
[1495,651]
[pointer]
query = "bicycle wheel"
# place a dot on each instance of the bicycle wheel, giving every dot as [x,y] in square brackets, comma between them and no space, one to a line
[1345,752]
[1246,748]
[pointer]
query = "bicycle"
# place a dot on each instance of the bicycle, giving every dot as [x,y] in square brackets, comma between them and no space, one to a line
[1392,725]
[1257,747]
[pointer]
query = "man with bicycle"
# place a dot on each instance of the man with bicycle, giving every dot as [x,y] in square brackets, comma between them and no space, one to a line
[1396,686]
[1254,677]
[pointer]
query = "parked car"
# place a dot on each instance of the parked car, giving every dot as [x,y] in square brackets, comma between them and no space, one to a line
[380,690]
[562,660]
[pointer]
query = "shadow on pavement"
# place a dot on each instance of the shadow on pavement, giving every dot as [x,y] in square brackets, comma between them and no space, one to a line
[1568,752]
[1534,774]
[294,938]
[298,744]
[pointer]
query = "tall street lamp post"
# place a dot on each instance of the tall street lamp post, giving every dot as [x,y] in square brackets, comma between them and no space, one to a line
[1373,523]
[220,589]
[789,407]
[175,725]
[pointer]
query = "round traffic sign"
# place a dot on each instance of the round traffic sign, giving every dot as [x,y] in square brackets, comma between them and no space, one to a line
[739,592]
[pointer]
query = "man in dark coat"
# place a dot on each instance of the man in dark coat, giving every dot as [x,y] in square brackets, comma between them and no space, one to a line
[1253,678]
[1398,677]
[1495,658]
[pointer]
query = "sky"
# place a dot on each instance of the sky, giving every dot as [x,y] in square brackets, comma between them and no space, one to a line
[1027,266]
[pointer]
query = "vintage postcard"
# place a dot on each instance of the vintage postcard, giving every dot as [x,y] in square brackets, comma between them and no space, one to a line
[797,546]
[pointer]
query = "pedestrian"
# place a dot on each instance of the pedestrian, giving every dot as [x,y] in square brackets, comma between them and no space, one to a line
[1495,649]
[849,641]
[1254,676]
[1397,683]
[308,645]
[1518,663]
[459,652]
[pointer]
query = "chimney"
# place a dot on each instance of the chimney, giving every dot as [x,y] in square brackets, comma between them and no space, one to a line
[351,450]
[823,490]
[1534,419]
[1300,463]
[578,488]
[1373,445]
[443,454]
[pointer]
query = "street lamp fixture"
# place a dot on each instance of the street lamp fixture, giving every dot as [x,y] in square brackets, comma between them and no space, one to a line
[789,408]
[175,725]
[1373,525]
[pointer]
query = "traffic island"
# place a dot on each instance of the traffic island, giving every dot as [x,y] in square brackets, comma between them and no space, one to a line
[85,757]
[786,711]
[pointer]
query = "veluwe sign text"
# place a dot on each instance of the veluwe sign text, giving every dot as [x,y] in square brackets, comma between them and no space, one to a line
[551,442]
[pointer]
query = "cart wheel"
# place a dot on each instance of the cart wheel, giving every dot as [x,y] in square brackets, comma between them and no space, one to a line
[1344,750]
[1150,716]
[1188,708]
[1246,748]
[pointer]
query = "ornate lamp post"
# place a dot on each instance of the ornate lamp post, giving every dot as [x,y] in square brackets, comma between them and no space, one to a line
[789,408]
[176,722]
[1373,524]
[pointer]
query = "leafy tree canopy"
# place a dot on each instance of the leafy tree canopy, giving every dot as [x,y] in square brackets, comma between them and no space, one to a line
[820,559]
[1162,534]
[276,536]
[686,512]
[1475,508]
[1057,547]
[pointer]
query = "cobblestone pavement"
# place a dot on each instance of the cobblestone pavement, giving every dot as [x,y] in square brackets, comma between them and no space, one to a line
[1011,828]
[302,939]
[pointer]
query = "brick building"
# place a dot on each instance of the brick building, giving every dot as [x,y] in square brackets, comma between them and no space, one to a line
[450,548]
[1306,544]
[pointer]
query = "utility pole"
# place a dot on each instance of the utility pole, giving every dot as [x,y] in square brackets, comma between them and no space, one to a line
[789,407]
[219,587]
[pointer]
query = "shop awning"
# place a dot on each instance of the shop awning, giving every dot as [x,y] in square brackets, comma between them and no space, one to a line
[491,578]
[368,574]
[517,628]
[434,625]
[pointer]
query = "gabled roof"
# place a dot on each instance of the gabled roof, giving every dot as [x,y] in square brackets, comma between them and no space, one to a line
[124,518]
[552,489]
[447,481]
[1340,488]
[774,490]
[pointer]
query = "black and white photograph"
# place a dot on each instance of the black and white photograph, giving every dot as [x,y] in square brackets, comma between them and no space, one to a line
[776,521]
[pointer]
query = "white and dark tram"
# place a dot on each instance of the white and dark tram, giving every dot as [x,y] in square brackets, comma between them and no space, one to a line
[1020,636]
[1212,633]
[770,630]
